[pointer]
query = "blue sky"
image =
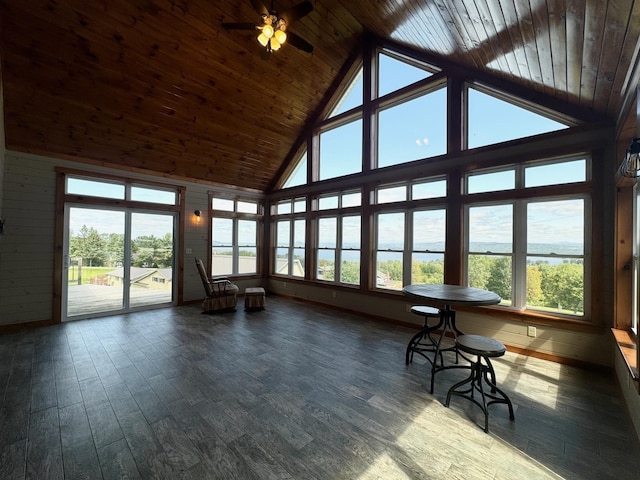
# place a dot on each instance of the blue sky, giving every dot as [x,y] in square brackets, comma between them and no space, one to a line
[112,221]
[416,129]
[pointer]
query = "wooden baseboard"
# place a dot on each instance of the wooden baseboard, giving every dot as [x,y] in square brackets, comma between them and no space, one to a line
[14,327]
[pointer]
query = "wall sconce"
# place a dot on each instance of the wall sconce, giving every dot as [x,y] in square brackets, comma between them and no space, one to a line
[630,166]
[197,213]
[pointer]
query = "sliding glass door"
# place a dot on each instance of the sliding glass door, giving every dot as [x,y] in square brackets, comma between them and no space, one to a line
[151,259]
[116,260]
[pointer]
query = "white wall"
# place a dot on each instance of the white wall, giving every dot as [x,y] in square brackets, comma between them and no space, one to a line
[629,390]
[27,247]
[26,251]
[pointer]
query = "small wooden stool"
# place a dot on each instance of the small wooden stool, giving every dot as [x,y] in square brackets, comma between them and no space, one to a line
[484,348]
[254,298]
[422,342]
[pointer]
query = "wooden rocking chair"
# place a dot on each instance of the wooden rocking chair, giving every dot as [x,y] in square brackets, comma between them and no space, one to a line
[221,294]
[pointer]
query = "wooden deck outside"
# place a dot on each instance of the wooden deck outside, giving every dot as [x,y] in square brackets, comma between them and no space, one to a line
[87,299]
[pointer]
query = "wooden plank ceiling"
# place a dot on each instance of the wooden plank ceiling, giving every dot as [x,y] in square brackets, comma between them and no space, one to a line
[159,85]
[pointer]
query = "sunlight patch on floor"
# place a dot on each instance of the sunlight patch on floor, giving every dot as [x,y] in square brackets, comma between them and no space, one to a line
[385,468]
[424,449]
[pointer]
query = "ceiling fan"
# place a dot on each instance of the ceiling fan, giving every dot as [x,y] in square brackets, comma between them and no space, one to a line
[274,26]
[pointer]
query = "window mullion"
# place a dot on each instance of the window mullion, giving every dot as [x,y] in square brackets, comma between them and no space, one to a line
[519,264]
[338,255]
[235,248]
[408,248]
[290,256]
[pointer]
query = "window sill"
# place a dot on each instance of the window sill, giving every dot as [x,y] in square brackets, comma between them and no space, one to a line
[628,344]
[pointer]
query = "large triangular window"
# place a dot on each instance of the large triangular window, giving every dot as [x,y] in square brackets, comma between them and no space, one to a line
[393,74]
[298,175]
[492,120]
[413,130]
[351,98]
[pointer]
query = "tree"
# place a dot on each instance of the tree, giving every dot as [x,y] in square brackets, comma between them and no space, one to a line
[564,286]
[479,270]
[153,251]
[393,268]
[427,272]
[114,248]
[350,272]
[326,269]
[499,280]
[535,295]
[89,245]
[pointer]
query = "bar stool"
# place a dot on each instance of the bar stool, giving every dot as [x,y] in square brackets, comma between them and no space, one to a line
[422,342]
[484,348]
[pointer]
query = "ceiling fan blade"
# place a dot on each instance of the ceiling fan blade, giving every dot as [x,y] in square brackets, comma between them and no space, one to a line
[297,11]
[299,42]
[259,7]
[266,54]
[239,26]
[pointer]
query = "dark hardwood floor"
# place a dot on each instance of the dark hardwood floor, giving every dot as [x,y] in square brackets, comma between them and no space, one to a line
[295,391]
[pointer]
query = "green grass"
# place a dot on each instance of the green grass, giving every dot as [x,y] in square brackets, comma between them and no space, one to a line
[87,274]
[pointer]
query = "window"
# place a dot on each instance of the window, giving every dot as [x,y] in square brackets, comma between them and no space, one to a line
[341,150]
[95,188]
[491,182]
[391,194]
[339,200]
[508,120]
[222,248]
[352,97]
[299,174]
[490,249]
[395,73]
[153,195]
[350,250]
[338,249]
[427,246]
[421,190]
[530,250]
[555,255]
[121,190]
[327,248]
[413,130]
[519,219]
[410,243]
[390,231]
[234,235]
[338,237]
[124,231]
[290,237]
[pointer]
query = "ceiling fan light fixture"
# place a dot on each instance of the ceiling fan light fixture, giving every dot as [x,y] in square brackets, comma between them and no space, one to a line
[272,27]
[263,39]
[280,36]
[267,30]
